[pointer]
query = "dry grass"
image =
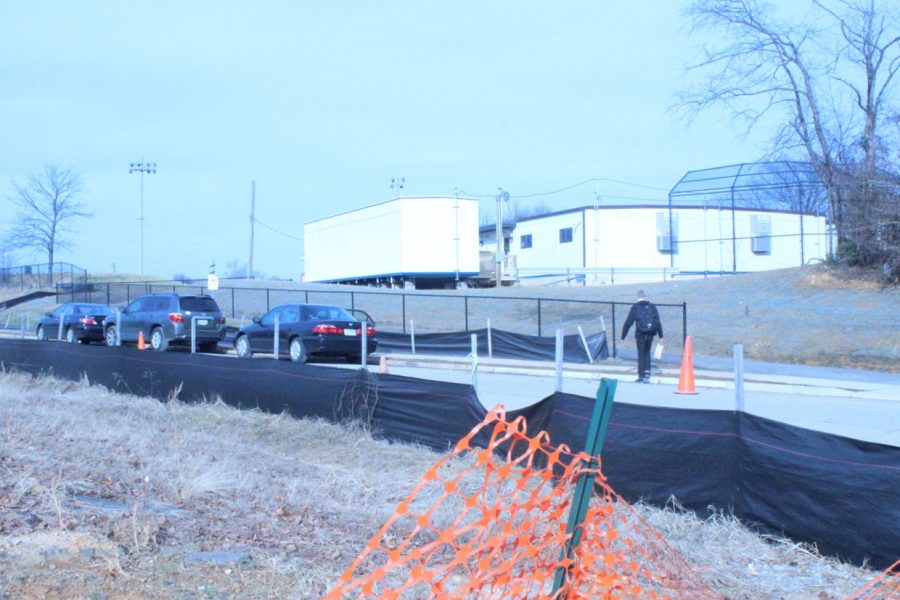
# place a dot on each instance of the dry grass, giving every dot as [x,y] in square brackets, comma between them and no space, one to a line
[104,496]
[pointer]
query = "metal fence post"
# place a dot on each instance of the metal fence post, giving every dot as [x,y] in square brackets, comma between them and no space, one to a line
[118,327]
[684,320]
[232,303]
[267,300]
[193,335]
[466,309]
[275,339]
[559,360]
[412,335]
[539,317]
[474,354]
[614,334]
[403,310]
[490,344]
[739,378]
[62,318]
[364,355]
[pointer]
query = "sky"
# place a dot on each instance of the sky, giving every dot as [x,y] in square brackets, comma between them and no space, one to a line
[323,104]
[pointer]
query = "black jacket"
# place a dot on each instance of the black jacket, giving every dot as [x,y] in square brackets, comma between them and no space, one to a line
[632,317]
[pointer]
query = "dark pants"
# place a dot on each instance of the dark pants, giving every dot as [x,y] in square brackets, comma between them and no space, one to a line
[644,342]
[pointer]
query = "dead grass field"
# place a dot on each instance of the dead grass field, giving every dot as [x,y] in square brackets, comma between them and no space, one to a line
[105,496]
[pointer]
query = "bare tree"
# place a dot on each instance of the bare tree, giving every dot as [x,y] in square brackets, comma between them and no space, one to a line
[46,203]
[771,71]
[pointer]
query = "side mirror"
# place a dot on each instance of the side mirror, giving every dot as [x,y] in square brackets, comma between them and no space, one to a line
[48,314]
[256,319]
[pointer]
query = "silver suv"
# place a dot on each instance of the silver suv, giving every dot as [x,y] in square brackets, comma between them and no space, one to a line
[166,319]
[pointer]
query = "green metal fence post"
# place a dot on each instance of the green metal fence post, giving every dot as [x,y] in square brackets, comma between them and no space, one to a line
[584,489]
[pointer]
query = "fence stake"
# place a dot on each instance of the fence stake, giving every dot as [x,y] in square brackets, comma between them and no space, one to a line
[412,335]
[275,340]
[614,336]
[403,309]
[364,355]
[466,303]
[559,360]
[62,318]
[490,343]
[739,377]
[22,325]
[584,489]
[539,317]
[7,320]
[242,321]
[602,324]
[474,355]
[193,335]
[587,349]
[118,327]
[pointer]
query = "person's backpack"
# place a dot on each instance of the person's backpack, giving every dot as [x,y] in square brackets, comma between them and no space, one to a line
[645,321]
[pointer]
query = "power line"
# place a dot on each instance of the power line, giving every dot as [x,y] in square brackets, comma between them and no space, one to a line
[575,185]
[272,229]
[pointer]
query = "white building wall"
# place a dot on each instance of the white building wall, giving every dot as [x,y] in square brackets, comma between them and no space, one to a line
[401,236]
[546,250]
[625,239]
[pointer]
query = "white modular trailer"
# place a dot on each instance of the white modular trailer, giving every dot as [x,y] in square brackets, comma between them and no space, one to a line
[617,244]
[429,241]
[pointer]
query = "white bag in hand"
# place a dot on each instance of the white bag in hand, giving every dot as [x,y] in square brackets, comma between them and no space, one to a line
[657,352]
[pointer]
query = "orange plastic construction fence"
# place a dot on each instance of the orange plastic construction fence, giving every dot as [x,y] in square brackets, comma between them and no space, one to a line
[884,587]
[490,523]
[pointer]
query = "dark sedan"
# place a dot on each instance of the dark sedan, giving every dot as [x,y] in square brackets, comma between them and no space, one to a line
[304,331]
[81,322]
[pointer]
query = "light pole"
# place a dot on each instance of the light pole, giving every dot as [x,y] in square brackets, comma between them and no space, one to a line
[142,167]
[504,196]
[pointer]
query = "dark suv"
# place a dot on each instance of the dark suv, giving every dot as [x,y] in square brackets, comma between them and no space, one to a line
[166,319]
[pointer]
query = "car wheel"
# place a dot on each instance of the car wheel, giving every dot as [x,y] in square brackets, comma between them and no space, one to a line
[242,347]
[111,335]
[70,335]
[41,333]
[298,351]
[158,340]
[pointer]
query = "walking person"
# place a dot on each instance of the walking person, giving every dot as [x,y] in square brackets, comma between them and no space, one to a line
[645,318]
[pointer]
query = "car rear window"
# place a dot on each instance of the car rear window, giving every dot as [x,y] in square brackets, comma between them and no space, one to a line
[199,304]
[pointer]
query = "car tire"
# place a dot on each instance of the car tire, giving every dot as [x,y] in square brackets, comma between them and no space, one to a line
[158,340]
[41,333]
[297,350]
[70,335]
[242,347]
[110,335]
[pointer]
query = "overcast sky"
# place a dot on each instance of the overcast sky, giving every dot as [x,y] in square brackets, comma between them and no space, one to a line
[323,103]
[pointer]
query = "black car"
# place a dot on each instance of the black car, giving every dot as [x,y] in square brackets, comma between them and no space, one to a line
[165,319]
[306,330]
[81,322]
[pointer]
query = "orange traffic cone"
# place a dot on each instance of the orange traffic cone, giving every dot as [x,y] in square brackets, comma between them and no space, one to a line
[141,344]
[686,377]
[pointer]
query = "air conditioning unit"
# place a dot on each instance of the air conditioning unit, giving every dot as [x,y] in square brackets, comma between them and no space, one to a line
[761,245]
[664,243]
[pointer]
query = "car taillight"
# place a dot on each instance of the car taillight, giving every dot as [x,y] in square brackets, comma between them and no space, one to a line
[370,331]
[326,329]
[176,317]
[88,321]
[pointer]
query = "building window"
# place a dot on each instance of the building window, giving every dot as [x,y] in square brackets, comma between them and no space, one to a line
[565,235]
[526,241]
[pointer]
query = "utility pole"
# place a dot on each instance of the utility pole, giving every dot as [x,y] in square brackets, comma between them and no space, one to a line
[142,167]
[456,230]
[252,224]
[501,196]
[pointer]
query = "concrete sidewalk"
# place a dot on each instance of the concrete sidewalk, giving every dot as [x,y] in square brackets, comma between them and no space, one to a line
[854,409]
